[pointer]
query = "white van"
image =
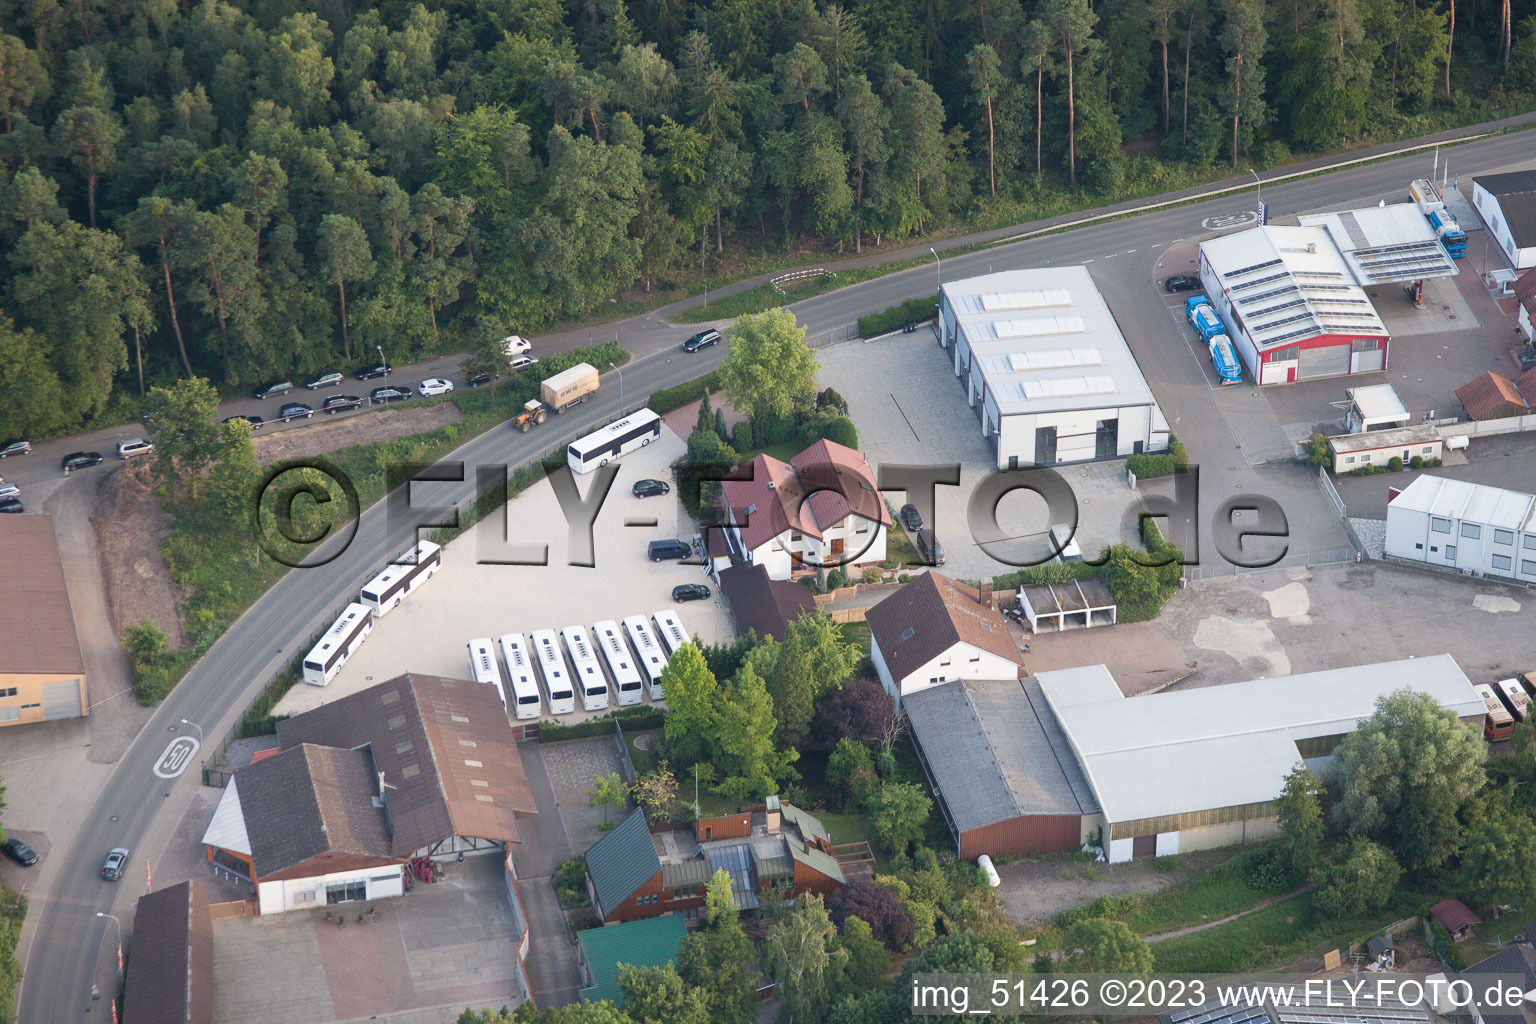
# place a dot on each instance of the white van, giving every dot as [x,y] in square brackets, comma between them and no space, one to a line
[133,446]
[1062,540]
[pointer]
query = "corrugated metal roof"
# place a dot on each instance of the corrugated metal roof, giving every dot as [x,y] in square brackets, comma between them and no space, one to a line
[622,861]
[815,859]
[1383,244]
[1219,746]
[648,942]
[809,825]
[688,872]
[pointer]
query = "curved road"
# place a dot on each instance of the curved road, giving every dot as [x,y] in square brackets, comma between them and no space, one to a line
[71,947]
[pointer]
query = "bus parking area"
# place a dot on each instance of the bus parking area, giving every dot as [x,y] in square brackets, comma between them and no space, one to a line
[466,599]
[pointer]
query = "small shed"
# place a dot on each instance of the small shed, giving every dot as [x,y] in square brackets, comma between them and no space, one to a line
[1075,603]
[1492,396]
[1380,952]
[1454,917]
[1374,407]
[1379,447]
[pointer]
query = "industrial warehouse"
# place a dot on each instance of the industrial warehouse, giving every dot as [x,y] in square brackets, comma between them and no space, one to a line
[1046,764]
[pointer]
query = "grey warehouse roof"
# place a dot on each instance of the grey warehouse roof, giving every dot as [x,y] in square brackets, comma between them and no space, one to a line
[1222,746]
[1045,341]
[996,752]
[1383,244]
[1516,193]
[1475,503]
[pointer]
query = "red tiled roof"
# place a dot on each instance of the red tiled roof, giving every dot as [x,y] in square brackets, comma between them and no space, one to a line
[1491,395]
[812,493]
[1453,915]
[931,614]
[1525,290]
[1526,385]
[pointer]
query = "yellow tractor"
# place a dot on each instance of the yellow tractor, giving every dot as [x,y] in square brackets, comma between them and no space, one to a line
[534,412]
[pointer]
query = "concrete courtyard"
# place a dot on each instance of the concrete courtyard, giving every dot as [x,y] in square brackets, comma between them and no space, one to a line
[467,599]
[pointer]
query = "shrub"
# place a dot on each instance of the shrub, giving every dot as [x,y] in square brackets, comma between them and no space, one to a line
[851,773]
[1317,450]
[1395,464]
[878,906]
[770,429]
[1162,464]
[829,399]
[841,431]
[894,317]
[742,436]
[584,919]
[1417,462]
[668,399]
[905,577]
[837,579]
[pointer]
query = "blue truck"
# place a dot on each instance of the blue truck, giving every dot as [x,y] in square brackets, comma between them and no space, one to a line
[1225,361]
[1432,205]
[1202,317]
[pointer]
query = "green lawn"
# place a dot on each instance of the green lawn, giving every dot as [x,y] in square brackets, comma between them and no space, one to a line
[1211,892]
[856,633]
[642,759]
[898,546]
[1270,938]
[845,828]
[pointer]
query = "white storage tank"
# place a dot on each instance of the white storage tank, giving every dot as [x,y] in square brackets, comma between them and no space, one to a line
[985,863]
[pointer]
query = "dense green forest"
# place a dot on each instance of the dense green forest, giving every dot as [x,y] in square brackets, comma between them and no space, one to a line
[268,187]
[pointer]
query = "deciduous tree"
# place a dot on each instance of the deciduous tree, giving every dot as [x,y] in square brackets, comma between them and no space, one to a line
[1103,946]
[899,814]
[801,954]
[770,368]
[1359,881]
[692,697]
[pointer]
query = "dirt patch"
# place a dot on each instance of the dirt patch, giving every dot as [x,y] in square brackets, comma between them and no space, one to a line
[130,526]
[1036,889]
[329,435]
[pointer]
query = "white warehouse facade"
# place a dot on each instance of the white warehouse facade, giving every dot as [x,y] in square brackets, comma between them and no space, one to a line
[1046,368]
[1472,528]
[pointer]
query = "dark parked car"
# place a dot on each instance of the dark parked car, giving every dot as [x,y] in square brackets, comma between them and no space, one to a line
[690,592]
[15,448]
[112,868]
[19,852]
[911,518]
[296,411]
[254,421]
[663,550]
[12,506]
[390,394]
[326,380]
[337,403]
[702,340]
[81,460]
[928,548]
[478,379]
[1182,283]
[651,488]
[376,370]
[277,387]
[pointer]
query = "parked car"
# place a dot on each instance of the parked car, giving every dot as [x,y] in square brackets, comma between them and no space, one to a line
[338,403]
[703,339]
[479,379]
[664,550]
[19,852]
[928,548]
[112,867]
[690,592]
[651,488]
[376,370]
[277,387]
[516,346]
[521,363]
[434,386]
[389,393]
[296,411]
[8,490]
[325,380]
[81,460]
[911,518]
[1182,283]
[254,421]
[12,506]
[133,447]
[15,448]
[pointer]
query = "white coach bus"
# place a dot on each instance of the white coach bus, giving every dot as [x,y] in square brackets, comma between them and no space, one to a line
[483,667]
[589,674]
[670,628]
[619,438]
[653,659]
[385,591]
[525,689]
[337,645]
[557,682]
[620,665]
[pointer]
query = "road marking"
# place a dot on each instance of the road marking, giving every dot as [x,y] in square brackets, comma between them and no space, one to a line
[177,756]
[1110,256]
[1176,241]
[1088,260]
[1158,245]
[1129,251]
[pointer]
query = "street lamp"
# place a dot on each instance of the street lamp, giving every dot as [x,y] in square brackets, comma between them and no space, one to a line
[119,925]
[1258,196]
[384,363]
[194,725]
[621,387]
[938,268]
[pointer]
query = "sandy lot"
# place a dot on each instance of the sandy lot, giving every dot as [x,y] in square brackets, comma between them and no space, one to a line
[130,524]
[467,599]
[330,433]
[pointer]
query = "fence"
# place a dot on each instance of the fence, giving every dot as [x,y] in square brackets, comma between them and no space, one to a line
[1488,428]
[847,332]
[1304,560]
[1332,493]
[234,908]
[779,282]
[626,763]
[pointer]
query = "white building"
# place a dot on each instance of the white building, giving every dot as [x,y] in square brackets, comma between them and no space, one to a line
[1525,295]
[1046,368]
[1385,244]
[1188,770]
[1291,304]
[935,630]
[1374,407]
[1474,528]
[1507,204]
[819,509]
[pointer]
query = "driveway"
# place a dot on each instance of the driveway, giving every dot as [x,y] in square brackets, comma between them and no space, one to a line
[572,765]
[424,956]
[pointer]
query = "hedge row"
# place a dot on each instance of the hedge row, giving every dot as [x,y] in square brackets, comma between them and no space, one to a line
[667,399]
[893,318]
[1162,464]
[635,718]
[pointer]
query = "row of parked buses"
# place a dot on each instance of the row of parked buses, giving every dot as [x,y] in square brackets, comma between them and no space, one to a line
[379,596]
[1506,702]
[570,664]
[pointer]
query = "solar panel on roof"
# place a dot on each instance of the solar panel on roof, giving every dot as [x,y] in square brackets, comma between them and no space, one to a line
[1254,267]
[995,301]
[1038,327]
[1054,359]
[1068,387]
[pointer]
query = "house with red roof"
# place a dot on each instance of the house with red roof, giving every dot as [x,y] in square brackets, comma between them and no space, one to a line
[821,509]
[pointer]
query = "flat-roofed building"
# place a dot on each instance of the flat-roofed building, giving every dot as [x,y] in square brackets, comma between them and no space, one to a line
[1046,368]
[42,672]
[1507,204]
[1385,244]
[1473,528]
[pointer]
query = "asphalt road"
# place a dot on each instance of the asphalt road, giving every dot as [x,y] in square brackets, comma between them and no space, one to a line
[71,947]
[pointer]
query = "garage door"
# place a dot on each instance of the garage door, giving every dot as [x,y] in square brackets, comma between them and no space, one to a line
[1369,360]
[1328,361]
[1144,846]
[61,699]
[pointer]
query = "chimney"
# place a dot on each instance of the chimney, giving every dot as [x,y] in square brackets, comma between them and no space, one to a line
[984,592]
[771,815]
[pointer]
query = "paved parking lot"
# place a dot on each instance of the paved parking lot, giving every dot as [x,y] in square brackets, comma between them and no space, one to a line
[422,957]
[572,765]
[909,408]
[466,600]
[1507,460]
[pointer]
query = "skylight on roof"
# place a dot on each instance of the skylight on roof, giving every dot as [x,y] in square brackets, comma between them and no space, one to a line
[1039,326]
[1055,359]
[908,633]
[1068,387]
[1037,299]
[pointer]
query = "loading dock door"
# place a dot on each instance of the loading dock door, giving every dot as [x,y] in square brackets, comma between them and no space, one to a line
[1327,361]
[61,699]
[1143,846]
